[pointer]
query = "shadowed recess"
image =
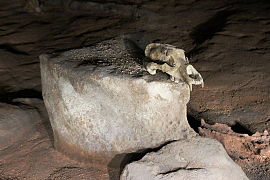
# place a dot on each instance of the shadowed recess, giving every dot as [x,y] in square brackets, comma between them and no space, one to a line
[118,163]
[238,128]
[11,49]
[207,30]
[194,123]
[25,93]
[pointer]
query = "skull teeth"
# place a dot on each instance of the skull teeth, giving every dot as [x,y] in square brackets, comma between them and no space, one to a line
[181,68]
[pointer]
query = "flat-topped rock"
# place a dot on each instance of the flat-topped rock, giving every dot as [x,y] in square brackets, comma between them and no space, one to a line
[102,103]
[116,56]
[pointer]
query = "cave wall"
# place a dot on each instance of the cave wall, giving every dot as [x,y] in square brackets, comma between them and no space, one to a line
[227,41]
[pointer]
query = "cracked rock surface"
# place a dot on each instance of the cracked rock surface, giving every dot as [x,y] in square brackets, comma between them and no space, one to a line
[100,107]
[195,159]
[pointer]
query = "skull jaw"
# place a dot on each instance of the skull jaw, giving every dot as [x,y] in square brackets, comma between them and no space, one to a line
[175,64]
[150,69]
[185,73]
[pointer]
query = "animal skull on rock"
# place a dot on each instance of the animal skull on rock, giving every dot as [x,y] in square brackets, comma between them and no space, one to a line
[176,64]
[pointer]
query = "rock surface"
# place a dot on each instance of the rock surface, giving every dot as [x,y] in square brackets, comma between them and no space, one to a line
[237,81]
[195,159]
[226,41]
[251,152]
[101,104]
[33,157]
[26,150]
[18,123]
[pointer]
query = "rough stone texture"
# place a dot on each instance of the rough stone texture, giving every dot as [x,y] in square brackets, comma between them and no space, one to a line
[35,158]
[194,159]
[26,150]
[100,107]
[16,124]
[226,41]
[235,65]
[252,153]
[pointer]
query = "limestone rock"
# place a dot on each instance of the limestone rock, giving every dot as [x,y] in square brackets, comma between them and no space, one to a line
[232,56]
[193,159]
[18,123]
[101,102]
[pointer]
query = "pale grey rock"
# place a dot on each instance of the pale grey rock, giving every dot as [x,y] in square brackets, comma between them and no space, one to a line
[19,122]
[191,159]
[101,102]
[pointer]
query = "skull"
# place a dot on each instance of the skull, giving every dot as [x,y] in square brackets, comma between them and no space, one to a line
[175,64]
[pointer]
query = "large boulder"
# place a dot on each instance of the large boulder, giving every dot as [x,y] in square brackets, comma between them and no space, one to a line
[102,103]
[193,159]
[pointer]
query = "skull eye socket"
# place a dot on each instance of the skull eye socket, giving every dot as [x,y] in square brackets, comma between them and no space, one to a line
[193,76]
[192,73]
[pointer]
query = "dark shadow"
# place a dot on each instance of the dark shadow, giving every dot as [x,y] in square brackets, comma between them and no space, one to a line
[47,125]
[135,51]
[194,123]
[207,30]
[11,49]
[25,93]
[118,163]
[238,128]
[94,61]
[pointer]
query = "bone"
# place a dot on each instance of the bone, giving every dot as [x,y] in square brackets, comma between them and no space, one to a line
[176,64]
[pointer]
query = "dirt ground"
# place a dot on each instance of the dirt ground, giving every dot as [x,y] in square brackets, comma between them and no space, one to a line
[31,155]
[251,152]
